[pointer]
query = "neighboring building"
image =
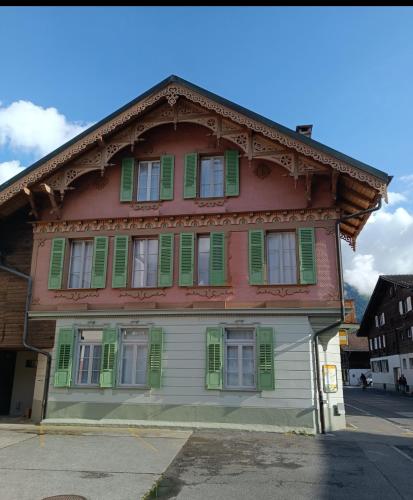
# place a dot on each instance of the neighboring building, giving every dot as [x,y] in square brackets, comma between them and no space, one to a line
[388,326]
[355,357]
[186,250]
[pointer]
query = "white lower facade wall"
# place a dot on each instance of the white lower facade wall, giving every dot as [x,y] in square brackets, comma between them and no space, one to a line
[387,380]
[183,397]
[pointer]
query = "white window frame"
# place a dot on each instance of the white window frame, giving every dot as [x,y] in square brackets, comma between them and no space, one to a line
[371,344]
[401,307]
[79,344]
[382,319]
[282,268]
[82,265]
[150,164]
[135,342]
[384,341]
[240,343]
[375,343]
[376,319]
[145,269]
[203,236]
[379,342]
[408,304]
[212,159]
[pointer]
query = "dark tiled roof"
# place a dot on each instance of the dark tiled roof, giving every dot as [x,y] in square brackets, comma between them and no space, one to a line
[176,79]
[405,280]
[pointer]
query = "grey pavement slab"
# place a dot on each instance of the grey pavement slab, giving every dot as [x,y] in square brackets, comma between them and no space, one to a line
[115,464]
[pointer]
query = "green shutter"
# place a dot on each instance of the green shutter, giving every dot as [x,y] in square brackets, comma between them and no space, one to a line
[231,173]
[167,178]
[64,358]
[265,358]
[186,259]
[109,353]
[100,257]
[217,259]
[166,259]
[214,359]
[126,182]
[56,263]
[191,164]
[155,357]
[256,257]
[120,262]
[308,273]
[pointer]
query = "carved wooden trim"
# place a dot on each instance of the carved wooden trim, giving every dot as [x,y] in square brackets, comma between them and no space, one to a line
[283,291]
[211,203]
[76,295]
[145,206]
[142,294]
[171,93]
[198,220]
[209,292]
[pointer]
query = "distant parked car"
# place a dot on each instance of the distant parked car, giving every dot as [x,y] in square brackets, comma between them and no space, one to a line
[369,378]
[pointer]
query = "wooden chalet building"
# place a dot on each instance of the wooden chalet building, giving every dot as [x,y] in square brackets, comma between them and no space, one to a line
[388,325]
[186,253]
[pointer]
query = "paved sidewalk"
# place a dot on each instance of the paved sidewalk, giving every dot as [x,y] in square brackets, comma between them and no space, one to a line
[97,463]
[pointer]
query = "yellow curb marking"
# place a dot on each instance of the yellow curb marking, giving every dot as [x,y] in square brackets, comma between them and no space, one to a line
[41,437]
[135,433]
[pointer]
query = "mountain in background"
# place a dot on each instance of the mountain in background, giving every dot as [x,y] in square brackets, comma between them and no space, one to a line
[360,300]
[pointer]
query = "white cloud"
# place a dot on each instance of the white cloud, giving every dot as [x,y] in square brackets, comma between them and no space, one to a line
[407,178]
[384,246]
[9,169]
[27,127]
[396,198]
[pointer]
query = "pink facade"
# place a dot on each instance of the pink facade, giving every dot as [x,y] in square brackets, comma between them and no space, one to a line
[273,203]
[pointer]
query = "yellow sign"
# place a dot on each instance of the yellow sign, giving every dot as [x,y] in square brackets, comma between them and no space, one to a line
[343,337]
[330,378]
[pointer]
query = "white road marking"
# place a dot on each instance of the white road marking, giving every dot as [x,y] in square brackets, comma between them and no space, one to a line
[402,453]
[360,409]
[352,425]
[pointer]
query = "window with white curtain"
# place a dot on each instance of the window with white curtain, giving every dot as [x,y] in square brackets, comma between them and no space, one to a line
[145,263]
[148,180]
[134,357]
[281,258]
[89,354]
[203,259]
[212,177]
[240,371]
[80,267]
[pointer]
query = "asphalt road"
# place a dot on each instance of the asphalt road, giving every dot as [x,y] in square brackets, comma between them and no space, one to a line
[372,459]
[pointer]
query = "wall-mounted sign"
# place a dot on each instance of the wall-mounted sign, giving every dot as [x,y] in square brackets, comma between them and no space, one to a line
[330,378]
[343,337]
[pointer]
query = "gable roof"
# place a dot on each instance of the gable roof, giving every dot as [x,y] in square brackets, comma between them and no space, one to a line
[236,107]
[402,280]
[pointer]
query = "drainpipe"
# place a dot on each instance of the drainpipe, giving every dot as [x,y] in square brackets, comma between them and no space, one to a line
[8,269]
[342,308]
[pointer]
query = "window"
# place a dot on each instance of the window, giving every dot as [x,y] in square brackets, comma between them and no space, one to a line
[385,365]
[409,332]
[203,259]
[375,343]
[411,363]
[80,268]
[408,304]
[134,357]
[145,263]
[404,364]
[240,370]
[281,258]
[384,341]
[89,357]
[376,319]
[379,342]
[212,177]
[371,344]
[401,307]
[382,319]
[148,180]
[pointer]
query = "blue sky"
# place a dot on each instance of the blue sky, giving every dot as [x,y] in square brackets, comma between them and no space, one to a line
[348,71]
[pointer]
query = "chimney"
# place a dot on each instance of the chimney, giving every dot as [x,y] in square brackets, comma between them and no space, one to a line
[304,130]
